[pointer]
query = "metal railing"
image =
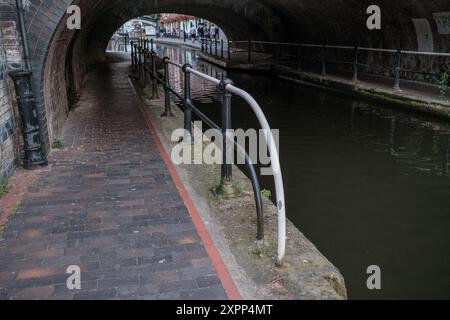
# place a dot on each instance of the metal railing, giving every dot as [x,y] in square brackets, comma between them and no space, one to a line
[215,47]
[296,51]
[143,59]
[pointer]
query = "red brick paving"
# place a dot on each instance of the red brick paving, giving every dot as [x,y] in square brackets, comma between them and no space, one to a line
[109,205]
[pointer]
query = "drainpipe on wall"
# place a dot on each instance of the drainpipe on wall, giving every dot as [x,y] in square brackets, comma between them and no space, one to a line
[23,34]
[34,155]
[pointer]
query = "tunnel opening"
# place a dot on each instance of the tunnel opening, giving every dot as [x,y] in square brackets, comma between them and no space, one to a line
[72,53]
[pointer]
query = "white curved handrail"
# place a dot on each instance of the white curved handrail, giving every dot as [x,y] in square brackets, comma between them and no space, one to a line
[274,159]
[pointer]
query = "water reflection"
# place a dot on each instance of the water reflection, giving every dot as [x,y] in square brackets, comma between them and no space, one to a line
[367,185]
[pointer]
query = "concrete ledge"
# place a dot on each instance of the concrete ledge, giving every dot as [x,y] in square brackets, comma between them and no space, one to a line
[406,100]
[307,274]
[421,104]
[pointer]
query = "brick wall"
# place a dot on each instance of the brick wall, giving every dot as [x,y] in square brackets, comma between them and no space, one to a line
[10,59]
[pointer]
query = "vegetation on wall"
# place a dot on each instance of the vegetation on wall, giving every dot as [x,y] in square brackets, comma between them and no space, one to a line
[443,82]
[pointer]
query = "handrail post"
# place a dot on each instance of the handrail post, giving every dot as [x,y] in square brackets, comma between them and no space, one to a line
[221,48]
[229,50]
[355,64]
[249,51]
[144,67]
[215,47]
[167,109]
[155,94]
[187,101]
[227,153]
[132,56]
[151,45]
[324,61]
[397,68]
[210,47]
[139,62]
[126,44]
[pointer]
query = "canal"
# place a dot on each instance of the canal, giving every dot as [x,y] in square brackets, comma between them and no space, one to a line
[367,184]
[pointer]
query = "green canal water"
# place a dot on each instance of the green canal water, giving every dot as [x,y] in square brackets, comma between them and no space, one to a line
[367,184]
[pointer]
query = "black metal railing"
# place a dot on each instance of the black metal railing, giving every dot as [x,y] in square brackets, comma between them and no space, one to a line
[144,60]
[321,56]
[215,47]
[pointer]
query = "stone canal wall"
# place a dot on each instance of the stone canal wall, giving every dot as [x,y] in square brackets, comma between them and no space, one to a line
[10,59]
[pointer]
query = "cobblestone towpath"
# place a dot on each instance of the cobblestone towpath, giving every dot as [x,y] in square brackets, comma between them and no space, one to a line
[108,204]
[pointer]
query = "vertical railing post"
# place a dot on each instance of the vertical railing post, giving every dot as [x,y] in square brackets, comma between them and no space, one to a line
[249,51]
[355,64]
[140,62]
[151,45]
[210,47]
[215,47]
[167,109]
[187,101]
[228,147]
[397,69]
[221,48]
[324,61]
[299,57]
[144,67]
[126,44]
[155,94]
[229,50]
[132,56]
[278,49]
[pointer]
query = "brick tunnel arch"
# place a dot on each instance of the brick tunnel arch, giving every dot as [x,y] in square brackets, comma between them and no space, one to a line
[60,57]
[71,52]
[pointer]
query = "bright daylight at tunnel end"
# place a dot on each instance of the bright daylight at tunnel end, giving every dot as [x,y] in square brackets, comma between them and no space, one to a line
[224,156]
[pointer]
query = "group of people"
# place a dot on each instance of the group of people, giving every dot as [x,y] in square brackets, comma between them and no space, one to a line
[204,31]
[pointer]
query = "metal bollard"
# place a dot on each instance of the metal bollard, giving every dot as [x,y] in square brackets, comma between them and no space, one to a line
[34,154]
[355,64]
[187,101]
[226,170]
[398,61]
[167,109]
